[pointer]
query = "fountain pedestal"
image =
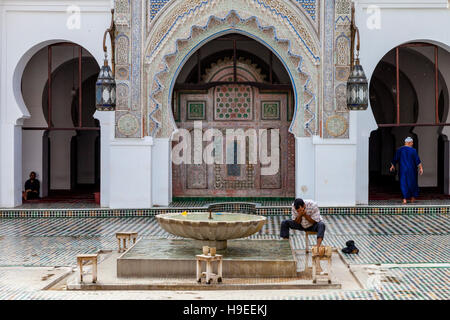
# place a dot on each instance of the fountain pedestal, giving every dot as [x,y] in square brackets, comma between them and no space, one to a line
[243,258]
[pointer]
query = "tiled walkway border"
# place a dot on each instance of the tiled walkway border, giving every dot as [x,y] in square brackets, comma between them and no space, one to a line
[274,210]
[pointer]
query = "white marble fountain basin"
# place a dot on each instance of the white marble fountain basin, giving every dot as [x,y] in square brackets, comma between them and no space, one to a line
[213,232]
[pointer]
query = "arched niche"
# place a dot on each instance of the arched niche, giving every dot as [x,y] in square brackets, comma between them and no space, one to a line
[184,27]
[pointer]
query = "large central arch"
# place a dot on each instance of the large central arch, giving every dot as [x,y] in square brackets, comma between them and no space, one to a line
[184,27]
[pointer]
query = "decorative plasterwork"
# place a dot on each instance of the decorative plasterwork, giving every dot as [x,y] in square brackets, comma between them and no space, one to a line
[127,71]
[180,31]
[122,12]
[310,8]
[279,11]
[246,71]
[336,68]
[155,6]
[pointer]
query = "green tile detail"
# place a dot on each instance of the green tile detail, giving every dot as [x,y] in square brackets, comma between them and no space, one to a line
[270,110]
[196,110]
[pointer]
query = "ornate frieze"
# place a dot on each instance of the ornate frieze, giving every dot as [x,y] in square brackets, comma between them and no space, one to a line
[122,12]
[155,6]
[122,19]
[336,68]
[186,26]
[342,67]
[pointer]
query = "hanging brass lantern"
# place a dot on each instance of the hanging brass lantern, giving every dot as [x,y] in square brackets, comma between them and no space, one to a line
[105,94]
[357,89]
[357,84]
[105,91]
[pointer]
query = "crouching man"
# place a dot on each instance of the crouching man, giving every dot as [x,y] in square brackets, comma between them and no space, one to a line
[305,217]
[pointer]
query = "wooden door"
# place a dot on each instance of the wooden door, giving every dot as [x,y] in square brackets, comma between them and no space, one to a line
[237,107]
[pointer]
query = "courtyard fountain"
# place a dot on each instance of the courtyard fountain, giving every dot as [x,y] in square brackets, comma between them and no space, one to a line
[225,227]
[211,229]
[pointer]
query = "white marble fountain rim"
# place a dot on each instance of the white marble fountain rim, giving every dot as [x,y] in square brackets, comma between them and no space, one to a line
[167,217]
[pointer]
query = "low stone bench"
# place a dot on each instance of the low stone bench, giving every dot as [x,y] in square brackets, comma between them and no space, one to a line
[209,275]
[318,254]
[88,258]
[125,236]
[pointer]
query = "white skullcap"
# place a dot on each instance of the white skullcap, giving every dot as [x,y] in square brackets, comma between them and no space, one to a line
[409,139]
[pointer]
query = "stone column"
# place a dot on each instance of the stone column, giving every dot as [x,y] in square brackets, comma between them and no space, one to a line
[11,165]
[106,119]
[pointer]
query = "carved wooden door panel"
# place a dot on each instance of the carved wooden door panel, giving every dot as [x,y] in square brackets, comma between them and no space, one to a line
[236,107]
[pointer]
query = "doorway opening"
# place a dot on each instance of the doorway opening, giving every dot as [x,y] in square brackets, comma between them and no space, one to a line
[409,98]
[235,83]
[61,140]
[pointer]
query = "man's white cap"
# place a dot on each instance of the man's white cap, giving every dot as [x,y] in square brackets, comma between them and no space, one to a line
[409,139]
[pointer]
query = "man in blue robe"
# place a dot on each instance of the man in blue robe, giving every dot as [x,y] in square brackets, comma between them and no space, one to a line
[408,161]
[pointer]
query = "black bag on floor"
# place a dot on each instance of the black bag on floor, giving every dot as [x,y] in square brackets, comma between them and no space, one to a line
[350,247]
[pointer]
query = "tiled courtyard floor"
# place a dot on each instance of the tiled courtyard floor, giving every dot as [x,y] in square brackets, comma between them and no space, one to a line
[421,241]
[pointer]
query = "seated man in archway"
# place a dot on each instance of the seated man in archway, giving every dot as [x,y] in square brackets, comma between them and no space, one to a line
[305,217]
[31,187]
[408,161]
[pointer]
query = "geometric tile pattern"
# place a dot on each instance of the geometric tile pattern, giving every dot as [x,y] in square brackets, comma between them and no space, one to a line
[309,6]
[409,284]
[266,207]
[374,225]
[233,102]
[155,6]
[390,249]
[404,284]
[416,284]
[381,239]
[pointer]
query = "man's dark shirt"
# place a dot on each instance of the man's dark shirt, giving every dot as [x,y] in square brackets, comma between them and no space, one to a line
[32,185]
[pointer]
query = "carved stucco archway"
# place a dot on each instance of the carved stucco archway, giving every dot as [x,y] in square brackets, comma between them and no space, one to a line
[184,27]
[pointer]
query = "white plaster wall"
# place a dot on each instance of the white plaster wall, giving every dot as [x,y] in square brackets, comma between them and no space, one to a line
[161,172]
[130,173]
[126,168]
[304,168]
[335,176]
[335,168]
[45,24]
[32,159]
[400,22]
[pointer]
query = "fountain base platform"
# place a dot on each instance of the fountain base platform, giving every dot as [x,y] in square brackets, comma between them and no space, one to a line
[243,258]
